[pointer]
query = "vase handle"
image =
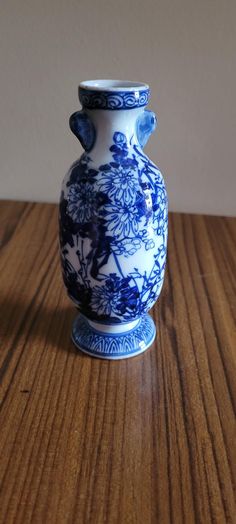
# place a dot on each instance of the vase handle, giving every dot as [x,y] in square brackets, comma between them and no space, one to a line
[83,129]
[145,125]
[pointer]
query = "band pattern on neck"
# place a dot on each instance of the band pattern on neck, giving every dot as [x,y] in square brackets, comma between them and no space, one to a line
[113,100]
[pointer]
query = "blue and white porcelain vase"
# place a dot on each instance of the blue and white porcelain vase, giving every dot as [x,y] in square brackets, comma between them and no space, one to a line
[113,221]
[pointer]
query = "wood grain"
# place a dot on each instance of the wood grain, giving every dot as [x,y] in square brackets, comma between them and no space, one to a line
[146,440]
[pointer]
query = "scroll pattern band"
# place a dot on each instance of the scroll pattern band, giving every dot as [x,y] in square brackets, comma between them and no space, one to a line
[113,100]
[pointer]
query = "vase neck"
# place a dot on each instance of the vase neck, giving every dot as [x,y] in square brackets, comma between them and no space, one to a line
[106,123]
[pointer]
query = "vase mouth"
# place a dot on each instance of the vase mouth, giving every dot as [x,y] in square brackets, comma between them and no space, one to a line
[113,94]
[113,85]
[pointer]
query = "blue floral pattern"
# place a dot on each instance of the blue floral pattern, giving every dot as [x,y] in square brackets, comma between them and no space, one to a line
[107,214]
[120,185]
[86,196]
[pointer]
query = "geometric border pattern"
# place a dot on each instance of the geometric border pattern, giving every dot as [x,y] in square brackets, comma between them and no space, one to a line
[116,346]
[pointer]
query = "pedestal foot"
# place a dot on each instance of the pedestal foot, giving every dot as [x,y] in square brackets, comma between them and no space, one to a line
[117,345]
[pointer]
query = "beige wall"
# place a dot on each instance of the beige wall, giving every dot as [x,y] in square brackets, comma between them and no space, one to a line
[185,50]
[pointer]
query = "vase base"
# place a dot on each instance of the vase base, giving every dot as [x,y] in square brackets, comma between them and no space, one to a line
[113,346]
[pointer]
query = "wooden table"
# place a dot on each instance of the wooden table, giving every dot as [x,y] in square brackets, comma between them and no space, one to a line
[146,440]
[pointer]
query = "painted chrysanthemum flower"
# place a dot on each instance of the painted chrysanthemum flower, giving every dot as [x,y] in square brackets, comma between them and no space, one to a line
[122,221]
[115,297]
[103,300]
[120,184]
[81,202]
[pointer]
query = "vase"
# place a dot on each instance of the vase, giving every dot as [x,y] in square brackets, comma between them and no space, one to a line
[113,221]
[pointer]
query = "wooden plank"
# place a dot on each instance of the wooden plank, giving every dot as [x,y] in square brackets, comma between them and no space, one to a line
[145,440]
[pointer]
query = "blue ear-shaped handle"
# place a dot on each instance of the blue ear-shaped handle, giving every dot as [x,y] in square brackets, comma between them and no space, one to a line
[83,129]
[145,125]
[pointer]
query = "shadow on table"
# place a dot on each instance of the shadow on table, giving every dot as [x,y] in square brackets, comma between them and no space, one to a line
[23,321]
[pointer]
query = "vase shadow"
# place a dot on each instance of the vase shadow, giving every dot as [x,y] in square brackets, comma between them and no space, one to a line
[39,322]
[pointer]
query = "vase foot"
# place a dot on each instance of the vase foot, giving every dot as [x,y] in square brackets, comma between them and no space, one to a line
[110,345]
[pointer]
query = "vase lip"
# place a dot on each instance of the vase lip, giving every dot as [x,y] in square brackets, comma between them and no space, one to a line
[113,95]
[113,85]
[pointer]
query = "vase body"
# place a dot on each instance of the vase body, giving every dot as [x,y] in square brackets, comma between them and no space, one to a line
[113,222]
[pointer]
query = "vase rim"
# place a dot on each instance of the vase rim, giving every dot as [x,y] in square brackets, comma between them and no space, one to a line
[113,85]
[113,94]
